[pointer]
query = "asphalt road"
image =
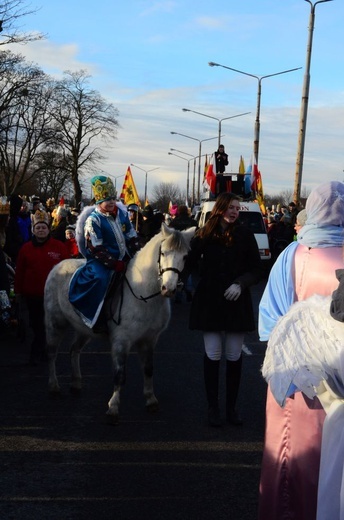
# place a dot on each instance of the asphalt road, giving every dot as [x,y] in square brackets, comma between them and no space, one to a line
[60,460]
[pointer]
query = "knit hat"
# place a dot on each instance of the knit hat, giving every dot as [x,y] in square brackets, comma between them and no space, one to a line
[40,217]
[71,229]
[103,188]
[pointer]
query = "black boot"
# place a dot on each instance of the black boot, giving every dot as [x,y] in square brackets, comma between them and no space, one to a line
[211,380]
[233,376]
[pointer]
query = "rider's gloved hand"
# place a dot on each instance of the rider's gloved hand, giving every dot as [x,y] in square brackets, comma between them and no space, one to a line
[233,292]
[120,266]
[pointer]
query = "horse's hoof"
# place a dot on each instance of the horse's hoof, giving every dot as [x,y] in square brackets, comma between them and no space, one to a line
[153,407]
[112,419]
[75,391]
[55,394]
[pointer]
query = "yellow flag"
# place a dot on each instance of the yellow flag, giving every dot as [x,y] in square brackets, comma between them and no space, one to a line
[129,193]
[242,165]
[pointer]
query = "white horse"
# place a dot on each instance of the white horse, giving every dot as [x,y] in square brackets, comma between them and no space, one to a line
[136,318]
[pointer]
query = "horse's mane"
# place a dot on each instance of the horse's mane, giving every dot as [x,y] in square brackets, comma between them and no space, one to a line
[176,241]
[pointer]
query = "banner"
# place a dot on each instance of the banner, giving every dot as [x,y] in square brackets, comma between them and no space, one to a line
[129,193]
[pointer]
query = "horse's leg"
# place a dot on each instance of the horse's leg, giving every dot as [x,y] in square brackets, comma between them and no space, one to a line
[119,362]
[54,387]
[75,350]
[145,351]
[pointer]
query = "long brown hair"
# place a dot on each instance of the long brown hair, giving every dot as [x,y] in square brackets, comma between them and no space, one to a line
[212,227]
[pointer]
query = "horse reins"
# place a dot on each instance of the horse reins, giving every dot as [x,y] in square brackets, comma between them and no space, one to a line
[145,298]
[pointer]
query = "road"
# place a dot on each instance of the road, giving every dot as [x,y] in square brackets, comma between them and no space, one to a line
[60,460]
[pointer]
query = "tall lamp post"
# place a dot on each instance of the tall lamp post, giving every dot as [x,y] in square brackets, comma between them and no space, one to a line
[259,92]
[118,177]
[200,141]
[216,119]
[304,105]
[188,170]
[146,176]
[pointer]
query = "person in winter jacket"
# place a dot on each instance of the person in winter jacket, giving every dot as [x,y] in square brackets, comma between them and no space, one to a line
[35,260]
[222,306]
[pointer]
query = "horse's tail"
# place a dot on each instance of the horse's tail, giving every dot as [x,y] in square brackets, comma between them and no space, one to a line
[79,230]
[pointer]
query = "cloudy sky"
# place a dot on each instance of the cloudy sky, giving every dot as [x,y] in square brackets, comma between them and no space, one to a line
[150,59]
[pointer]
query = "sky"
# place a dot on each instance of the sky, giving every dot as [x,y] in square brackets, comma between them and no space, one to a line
[150,59]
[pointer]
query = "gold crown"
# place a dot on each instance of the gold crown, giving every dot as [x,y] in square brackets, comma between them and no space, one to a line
[4,206]
[40,216]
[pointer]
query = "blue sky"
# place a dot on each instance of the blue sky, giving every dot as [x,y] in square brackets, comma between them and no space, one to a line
[150,58]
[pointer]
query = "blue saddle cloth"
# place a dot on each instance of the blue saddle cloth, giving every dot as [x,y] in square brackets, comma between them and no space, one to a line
[88,288]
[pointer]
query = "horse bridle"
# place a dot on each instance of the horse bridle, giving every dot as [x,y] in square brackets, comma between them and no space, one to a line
[161,272]
[145,298]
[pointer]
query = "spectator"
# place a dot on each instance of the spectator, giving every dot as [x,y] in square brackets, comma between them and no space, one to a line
[14,238]
[71,244]
[222,305]
[221,159]
[24,221]
[151,225]
[35,260]
[61,223]
[183,219]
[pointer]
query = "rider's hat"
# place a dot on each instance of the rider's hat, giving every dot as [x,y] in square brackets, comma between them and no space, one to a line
[103,188]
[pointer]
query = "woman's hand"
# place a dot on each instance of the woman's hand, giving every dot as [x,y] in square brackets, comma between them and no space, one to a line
[233,292]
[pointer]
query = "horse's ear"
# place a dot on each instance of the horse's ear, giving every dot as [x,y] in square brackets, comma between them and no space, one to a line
[165,230]
[189,233]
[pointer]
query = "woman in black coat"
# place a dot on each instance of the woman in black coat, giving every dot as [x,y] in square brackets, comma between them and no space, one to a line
[222,306]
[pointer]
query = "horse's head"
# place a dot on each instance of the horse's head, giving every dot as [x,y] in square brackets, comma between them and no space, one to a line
[172,254]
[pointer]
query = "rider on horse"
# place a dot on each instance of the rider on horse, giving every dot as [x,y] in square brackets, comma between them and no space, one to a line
[108,237]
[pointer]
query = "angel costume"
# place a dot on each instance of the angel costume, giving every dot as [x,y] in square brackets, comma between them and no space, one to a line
[294,422]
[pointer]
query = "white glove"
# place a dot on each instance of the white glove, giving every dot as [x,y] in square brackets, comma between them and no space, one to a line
[233,292]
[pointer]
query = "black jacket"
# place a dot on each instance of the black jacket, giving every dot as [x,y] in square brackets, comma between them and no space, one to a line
[222,265]
[221,161]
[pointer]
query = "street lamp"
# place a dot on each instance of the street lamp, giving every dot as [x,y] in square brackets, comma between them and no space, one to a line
[146,172]
[118,177]
[216,119]
[304,104]
[259,79]
[200,141]
[188,171]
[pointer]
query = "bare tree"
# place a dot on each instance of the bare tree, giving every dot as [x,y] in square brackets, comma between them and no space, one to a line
[11,12]
[84,122]
[25,118]
[165,192]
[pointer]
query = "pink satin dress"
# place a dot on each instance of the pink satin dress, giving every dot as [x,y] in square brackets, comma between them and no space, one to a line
[291,456]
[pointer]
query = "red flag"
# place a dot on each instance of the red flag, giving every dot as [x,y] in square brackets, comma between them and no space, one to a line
[211,175]
[254,177]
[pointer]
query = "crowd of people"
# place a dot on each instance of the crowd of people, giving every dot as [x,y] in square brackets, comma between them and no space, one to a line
[298,475]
